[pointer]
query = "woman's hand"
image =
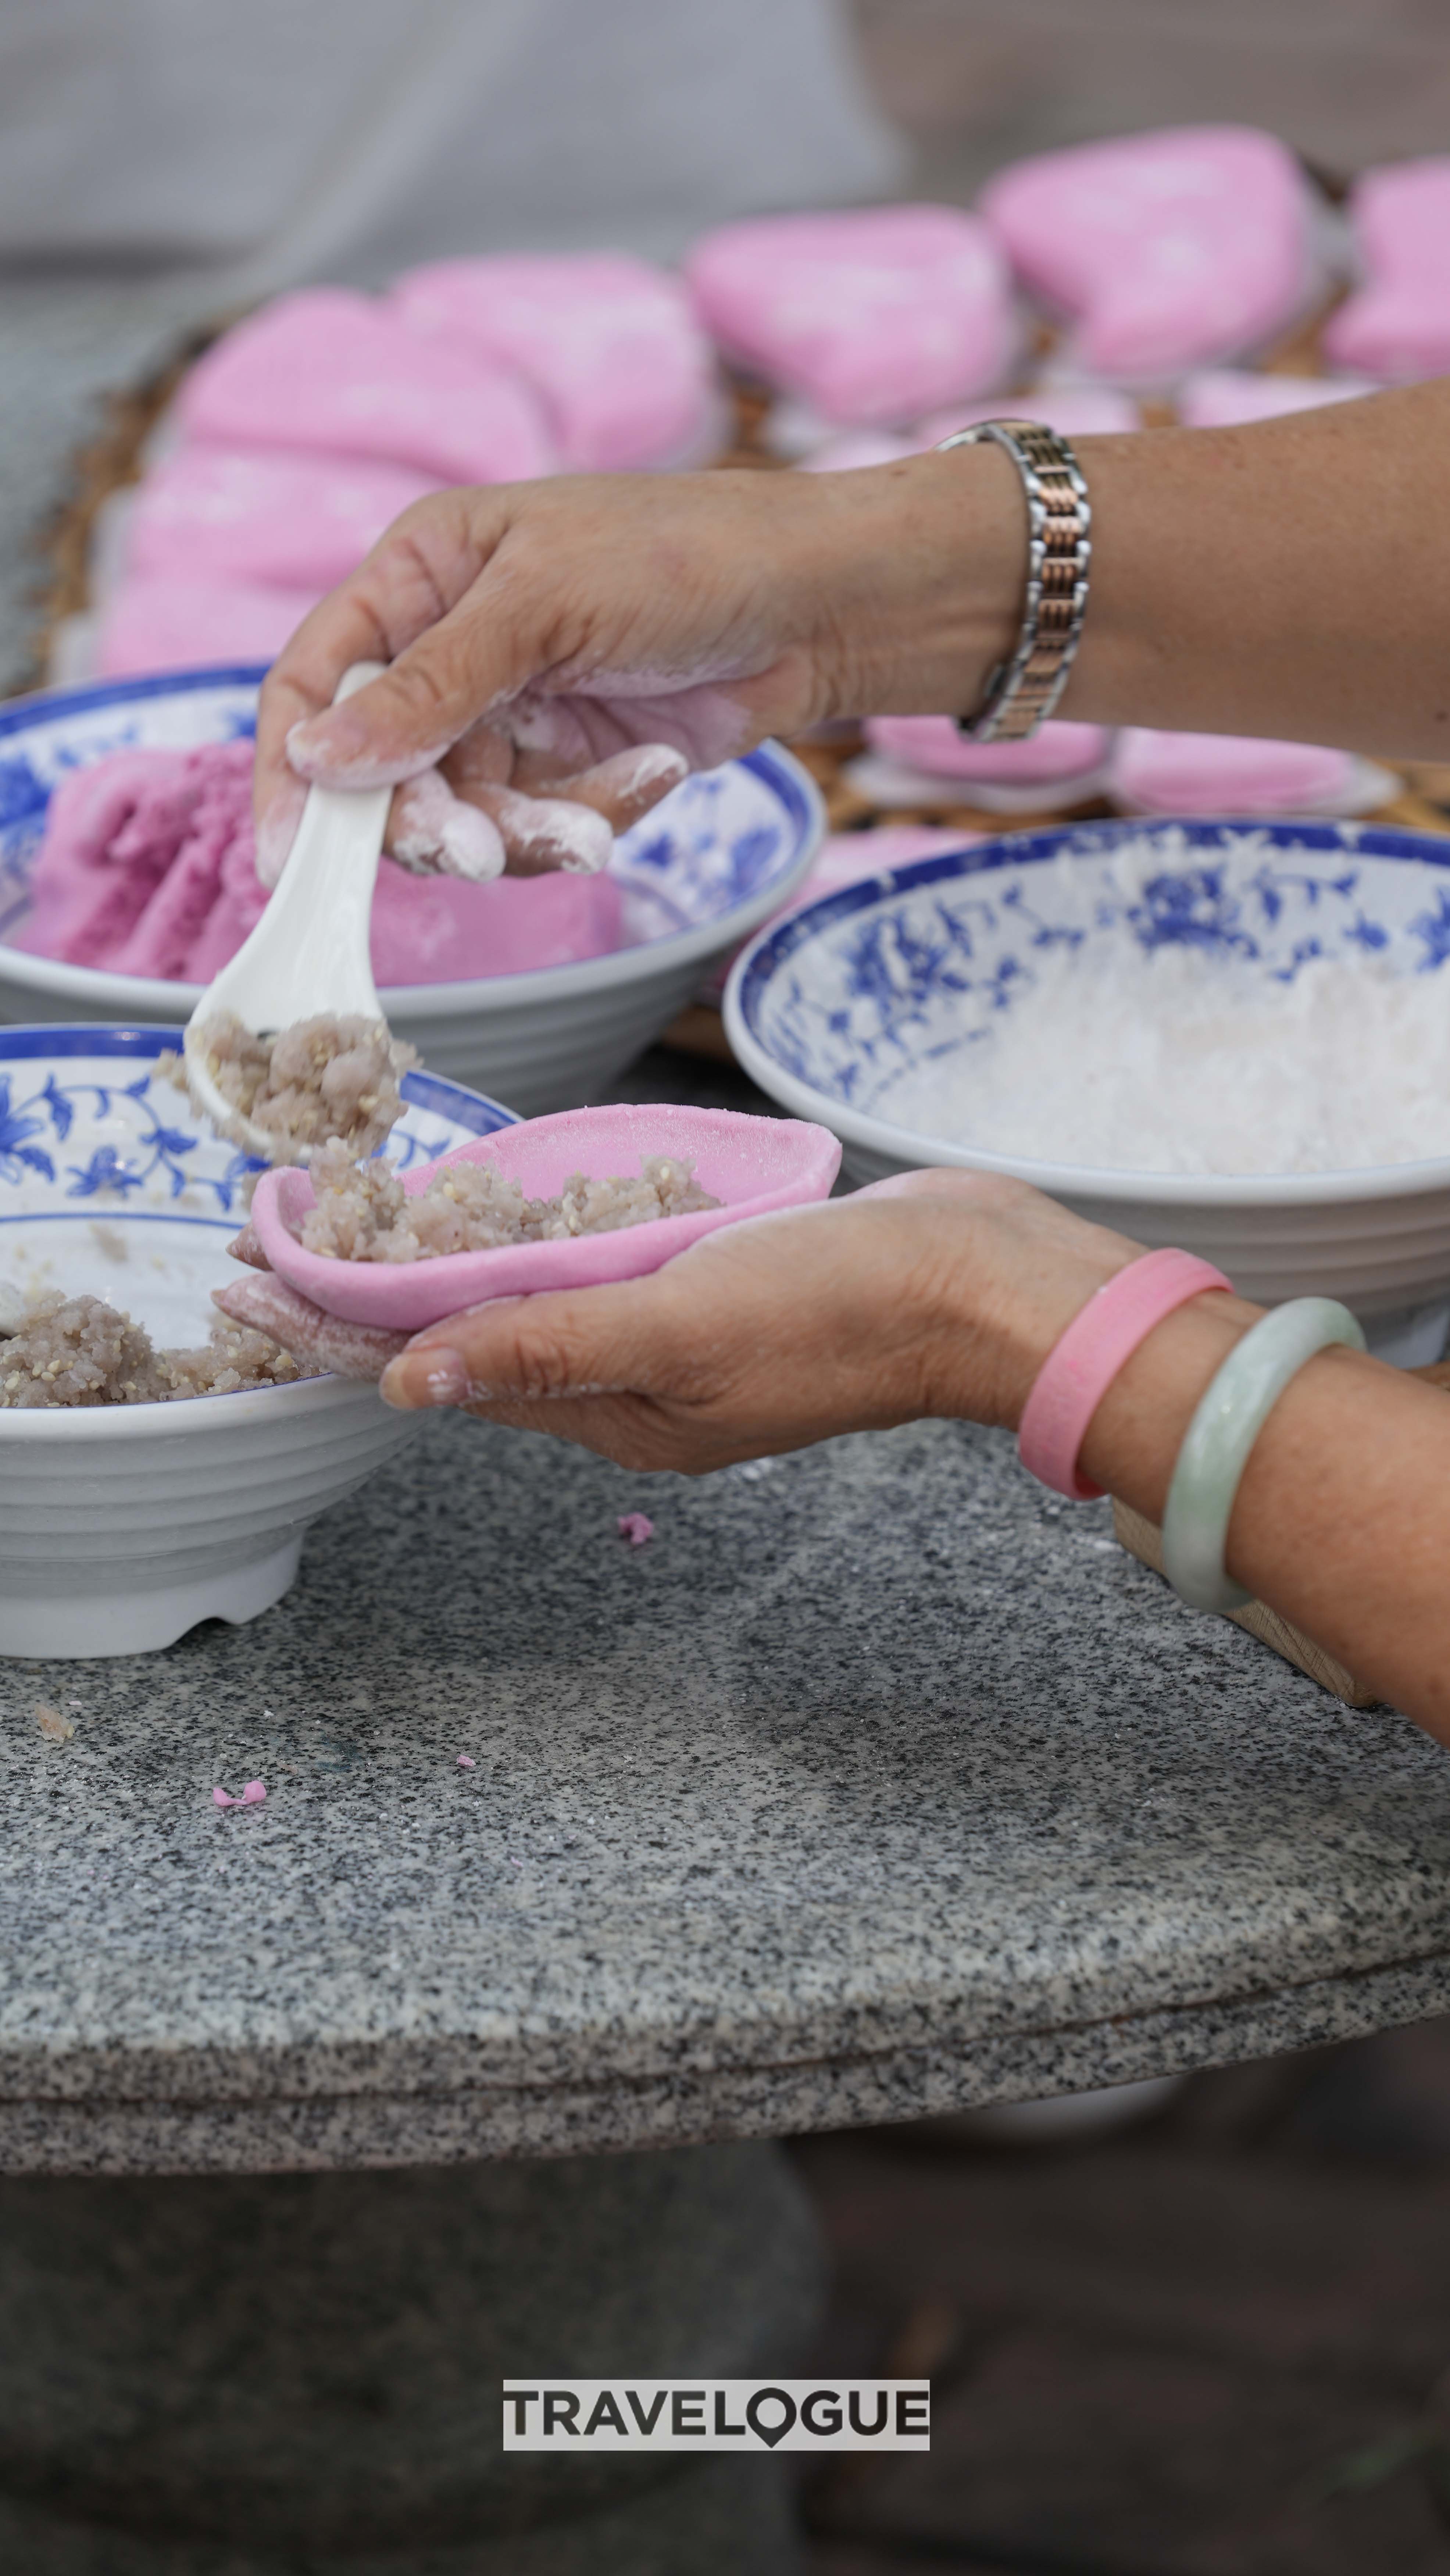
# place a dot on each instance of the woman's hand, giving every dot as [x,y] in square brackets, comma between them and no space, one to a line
[562,652]
[936,1293]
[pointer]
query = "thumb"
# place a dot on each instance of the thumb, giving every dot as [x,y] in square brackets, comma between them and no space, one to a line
[471,661]
[560,1343]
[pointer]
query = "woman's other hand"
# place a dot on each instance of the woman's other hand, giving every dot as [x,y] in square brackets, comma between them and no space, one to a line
[936,1293]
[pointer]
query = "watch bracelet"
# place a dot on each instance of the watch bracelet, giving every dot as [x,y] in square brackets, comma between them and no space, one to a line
[1022,693]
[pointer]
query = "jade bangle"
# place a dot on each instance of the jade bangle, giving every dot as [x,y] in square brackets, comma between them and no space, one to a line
[1219,1442]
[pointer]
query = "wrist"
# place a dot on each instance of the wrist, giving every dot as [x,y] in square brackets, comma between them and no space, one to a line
[996,1274]
[1133,1439]
[924,566]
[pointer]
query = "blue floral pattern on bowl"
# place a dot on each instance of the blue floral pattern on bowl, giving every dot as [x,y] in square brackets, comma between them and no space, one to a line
[110,1183]
[716,841]
[921,964]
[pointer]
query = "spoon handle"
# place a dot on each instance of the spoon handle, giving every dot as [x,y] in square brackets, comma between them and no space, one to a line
[318,920]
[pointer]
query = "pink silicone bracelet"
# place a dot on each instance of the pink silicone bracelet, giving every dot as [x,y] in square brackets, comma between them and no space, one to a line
[1078,1372]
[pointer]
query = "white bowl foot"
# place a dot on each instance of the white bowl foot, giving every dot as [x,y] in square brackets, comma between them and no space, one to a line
[149,1614]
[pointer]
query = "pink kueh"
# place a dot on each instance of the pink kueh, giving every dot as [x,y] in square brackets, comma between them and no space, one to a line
[344,373]
[1398,324]
[855,448]
[934,744]
[1222,397]
[1166,251]
[873,316]
[1074,411]
[156,622]
[294,522]
[610,345]
[1205,773]
[845,858]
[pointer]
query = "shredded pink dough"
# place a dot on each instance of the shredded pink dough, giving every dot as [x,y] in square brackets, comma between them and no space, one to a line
[147,868]
[637,1527]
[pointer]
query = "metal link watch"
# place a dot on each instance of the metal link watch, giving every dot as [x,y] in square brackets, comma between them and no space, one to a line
[1021,694]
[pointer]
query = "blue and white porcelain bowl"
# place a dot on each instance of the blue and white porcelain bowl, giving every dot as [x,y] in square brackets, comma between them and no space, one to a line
[122,1525]
[829,1009]
[699,873]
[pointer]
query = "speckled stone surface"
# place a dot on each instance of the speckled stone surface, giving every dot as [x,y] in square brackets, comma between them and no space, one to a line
[878,1782]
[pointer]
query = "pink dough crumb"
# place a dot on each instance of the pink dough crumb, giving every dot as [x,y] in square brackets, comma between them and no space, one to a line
[252,1796]
[636,1527]
[466,1762]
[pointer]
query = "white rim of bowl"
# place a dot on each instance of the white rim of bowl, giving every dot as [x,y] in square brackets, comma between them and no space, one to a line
[176,1420]
[1063,1180]
[120,996]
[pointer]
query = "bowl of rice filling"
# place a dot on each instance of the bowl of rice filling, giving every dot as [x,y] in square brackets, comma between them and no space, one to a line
[158,1463]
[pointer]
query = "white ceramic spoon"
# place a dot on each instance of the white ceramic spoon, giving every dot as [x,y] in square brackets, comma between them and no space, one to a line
[309,952]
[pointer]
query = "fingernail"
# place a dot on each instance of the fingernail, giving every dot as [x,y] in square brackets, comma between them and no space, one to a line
[557,834]
[470,846]
[338,748]
[657,765]
[433,832]
[417,1379]
[328,742]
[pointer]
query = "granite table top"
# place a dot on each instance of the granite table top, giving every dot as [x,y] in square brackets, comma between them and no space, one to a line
[877,1782]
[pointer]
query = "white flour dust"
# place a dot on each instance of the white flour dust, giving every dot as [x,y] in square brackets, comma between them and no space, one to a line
[1177,1061]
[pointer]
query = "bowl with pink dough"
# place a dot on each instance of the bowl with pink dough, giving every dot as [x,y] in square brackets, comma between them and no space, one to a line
[753,1166]
[537,991]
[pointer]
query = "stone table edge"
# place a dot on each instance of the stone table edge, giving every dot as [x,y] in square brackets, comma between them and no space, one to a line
[114,2135]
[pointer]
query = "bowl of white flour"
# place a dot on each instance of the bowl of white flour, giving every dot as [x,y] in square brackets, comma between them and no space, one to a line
[1230,1036]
